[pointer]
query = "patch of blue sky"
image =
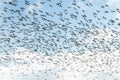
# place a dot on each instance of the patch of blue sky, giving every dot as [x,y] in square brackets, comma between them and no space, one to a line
[56,19]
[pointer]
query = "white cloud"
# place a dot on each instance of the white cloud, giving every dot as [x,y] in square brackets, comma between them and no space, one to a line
[60,66]
[113,2]
[116,4]
[118,15]
[81,4]
[32,6]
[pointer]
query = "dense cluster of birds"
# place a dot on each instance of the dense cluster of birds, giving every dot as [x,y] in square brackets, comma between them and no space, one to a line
[24,65]
[51,27]
[47,27]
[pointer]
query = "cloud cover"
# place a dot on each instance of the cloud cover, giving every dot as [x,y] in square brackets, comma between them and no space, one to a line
[24,65]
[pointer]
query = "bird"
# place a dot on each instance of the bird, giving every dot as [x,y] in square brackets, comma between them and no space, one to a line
[48,23]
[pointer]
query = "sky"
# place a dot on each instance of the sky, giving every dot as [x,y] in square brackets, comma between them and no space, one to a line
[62,15]
[49,27]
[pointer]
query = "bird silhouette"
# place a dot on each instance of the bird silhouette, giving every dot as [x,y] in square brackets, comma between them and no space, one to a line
[49,24]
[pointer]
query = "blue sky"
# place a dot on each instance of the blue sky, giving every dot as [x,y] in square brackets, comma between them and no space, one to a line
[55,26]
[28,33]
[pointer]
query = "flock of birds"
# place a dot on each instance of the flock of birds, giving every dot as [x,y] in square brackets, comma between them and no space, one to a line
[24,65]
[55,27]
[52,27]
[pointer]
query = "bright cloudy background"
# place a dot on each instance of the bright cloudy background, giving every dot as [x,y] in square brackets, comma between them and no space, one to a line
[48,42]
